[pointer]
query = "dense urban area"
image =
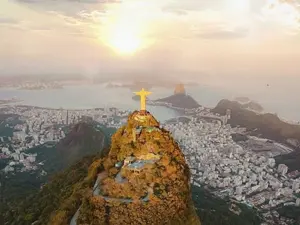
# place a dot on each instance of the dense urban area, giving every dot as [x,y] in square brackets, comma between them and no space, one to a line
[242,170]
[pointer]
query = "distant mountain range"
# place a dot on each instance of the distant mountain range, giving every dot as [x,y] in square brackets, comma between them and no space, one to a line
[268,125]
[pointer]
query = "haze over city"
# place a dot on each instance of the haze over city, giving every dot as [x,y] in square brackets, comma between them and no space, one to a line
[220,42]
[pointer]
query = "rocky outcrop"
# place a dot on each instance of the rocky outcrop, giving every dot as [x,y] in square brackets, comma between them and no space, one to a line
[143,180]
[179,89]
[181,101]
[254,106]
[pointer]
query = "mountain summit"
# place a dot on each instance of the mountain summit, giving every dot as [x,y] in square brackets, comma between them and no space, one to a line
[180,99]
[144,179]
[179,89]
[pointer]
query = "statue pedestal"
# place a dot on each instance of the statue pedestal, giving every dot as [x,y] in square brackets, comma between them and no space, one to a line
[143,112]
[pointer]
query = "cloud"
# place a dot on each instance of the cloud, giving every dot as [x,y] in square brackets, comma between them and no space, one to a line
[72,12]
[178,12]
[7,21]
[225,34]
[39,28]
[69,20]
[283,13]
[68,1]
[91,16]
[66,29]
[69,8]
[215,19]
[191,5]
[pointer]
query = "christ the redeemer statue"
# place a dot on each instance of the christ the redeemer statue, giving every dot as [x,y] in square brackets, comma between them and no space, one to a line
[143,94]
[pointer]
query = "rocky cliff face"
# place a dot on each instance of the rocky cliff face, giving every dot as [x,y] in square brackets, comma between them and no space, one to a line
[179,89]
[143,180]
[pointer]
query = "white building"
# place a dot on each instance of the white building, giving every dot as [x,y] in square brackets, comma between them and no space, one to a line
[5,151]
[271,162]
[15,156]
[19,135]
[296,185]
[31,158]
[8,169]
[282,169]
[21,156]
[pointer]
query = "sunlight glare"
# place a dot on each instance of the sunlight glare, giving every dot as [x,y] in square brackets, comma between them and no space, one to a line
[125,41]
[282,13]
[126,28]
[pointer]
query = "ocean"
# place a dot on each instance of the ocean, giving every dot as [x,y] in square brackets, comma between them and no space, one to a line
[87,97]
[92,96]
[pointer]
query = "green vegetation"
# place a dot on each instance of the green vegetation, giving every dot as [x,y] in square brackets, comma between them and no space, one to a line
[54,159]
[291,212]
[21,184]
[216,211]
[7,122]
[291,160]
[40,206]
[49,156]
[81,141]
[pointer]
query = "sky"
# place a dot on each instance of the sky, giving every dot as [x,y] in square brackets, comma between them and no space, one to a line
[209,41]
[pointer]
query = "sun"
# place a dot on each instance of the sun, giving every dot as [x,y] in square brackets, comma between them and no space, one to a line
[127,27]
[125,41]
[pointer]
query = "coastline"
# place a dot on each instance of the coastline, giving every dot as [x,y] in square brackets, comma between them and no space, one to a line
[167,105]
[9,101]
[39,89]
